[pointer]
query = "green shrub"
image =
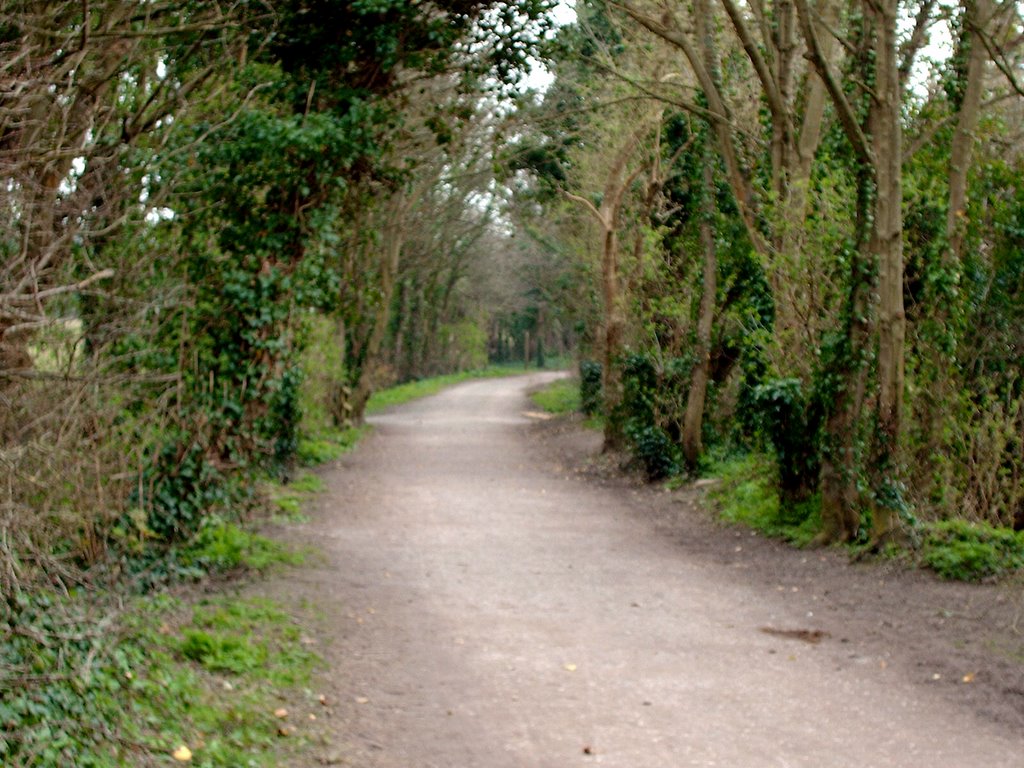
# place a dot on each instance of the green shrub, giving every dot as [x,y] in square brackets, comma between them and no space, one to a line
[323,366]
[963,551]
[654,449]
[788,419]
[590,387]
[642,415]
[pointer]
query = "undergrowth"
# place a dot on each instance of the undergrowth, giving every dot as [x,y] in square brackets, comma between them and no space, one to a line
[146,673]
[746,494]
[955,549]
[964,551]
[98,684]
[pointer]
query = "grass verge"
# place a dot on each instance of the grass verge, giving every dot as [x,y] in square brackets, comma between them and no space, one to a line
[328,445]
[563,397]
[559,397]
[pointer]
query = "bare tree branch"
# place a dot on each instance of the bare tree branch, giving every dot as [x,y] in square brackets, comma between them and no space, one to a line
[847,118]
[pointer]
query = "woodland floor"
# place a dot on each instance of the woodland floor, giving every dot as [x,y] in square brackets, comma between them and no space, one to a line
[492,593]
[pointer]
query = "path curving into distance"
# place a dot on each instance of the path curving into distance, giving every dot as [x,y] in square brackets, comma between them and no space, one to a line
[489,608]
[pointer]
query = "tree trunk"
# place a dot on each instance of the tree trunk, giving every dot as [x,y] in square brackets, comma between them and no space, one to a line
[887,248]
[611,289]
[793,294]
[838,473]
[962,149]
[693,418]
[340,394]
[611,376]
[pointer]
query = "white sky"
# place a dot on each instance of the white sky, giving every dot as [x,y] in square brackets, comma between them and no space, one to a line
[539,78]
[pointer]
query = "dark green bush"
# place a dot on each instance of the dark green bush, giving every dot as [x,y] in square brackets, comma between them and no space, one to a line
[590,387]
[654,449]
[643,403]
[786,418]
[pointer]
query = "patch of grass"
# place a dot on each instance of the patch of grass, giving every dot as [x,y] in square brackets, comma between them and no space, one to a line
[964,551]
[327,446]
[747,496]
[307,482]
[99,690]
[225,546]
[289,499]
[559,397]
[223,637]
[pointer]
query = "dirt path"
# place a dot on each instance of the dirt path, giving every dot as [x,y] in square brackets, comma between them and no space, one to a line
[492,602]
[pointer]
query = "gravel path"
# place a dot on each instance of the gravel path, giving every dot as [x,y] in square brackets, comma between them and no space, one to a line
[488,606]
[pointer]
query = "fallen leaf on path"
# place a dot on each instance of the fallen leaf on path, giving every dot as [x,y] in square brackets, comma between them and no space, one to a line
[969,677]
[362,700]
[182,754]
[570,667]
[281,713]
